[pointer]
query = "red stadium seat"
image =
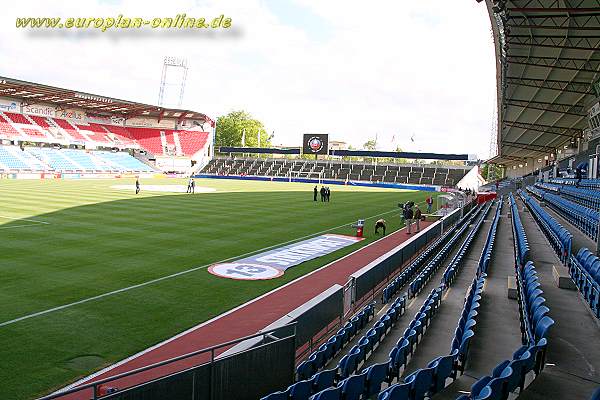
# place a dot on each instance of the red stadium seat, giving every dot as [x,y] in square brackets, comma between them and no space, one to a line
[70,129]
[192,142]
[7,130]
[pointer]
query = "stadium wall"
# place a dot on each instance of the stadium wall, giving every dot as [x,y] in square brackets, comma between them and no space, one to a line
[323,181]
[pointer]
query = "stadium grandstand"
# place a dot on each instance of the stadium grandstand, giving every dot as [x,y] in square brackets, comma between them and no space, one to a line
[337,170]
[495,295]
[46,129]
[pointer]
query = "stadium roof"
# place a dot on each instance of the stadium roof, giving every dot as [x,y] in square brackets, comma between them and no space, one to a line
[548,58]
[31,93]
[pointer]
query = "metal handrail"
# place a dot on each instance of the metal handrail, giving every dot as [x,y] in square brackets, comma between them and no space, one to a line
[95,384]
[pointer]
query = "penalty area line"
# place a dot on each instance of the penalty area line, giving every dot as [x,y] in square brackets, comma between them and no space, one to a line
[176,274]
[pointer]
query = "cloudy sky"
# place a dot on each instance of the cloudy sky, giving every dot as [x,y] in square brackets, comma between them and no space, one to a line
[353,69]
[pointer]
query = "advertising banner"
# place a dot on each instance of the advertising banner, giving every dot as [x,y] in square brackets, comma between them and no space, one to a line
[8,105]
[271,264]
[141,122]
[315,143]
[72,113]
[43,110]
[105,119]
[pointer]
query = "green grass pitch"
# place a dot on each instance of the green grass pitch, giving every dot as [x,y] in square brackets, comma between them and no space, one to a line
[63,241]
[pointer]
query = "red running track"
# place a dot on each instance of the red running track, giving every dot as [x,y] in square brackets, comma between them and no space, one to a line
[245,320]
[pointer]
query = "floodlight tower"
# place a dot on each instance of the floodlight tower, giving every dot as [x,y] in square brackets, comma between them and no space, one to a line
[178,68]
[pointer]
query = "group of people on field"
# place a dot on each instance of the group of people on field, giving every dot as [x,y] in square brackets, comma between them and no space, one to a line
[191,186]
[325,193]
[409,216]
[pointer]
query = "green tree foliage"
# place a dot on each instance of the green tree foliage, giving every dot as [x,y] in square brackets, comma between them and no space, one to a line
[231,127]
[370,145]
[492,172]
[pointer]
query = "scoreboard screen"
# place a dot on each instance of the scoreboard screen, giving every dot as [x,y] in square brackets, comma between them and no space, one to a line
[315,143]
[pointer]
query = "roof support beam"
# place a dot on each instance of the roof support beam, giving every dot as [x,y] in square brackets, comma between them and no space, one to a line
[552,84]
[579,42]
[573,64]
[584,22]
[571,109]
[529,146]
[552,130]
[557,10]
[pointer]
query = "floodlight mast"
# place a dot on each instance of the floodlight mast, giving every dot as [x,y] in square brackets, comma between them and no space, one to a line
[170,63]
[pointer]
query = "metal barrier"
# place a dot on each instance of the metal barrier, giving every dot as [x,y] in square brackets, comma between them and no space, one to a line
[204,380]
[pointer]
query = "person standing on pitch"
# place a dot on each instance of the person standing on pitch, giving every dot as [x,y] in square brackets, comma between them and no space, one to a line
[315,193]
[193,186]
[429,202]
[327,193]
[189,188]
[137,185]
[408,215]
[417,218]
[380,224]
[322,193]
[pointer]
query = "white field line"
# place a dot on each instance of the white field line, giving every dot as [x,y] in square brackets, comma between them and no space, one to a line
[18,226]
[125,289]
[25,219]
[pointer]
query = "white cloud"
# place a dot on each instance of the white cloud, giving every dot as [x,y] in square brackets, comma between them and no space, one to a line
[394,68]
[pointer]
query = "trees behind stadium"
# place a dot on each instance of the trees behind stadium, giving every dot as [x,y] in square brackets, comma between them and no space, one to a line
[239,128]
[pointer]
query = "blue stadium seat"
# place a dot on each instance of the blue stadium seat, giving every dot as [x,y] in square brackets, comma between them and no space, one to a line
[354,387]
[421,382]
[301,390]
[278,396]
[376,375]
[323,379]
[334,393]
[399,391]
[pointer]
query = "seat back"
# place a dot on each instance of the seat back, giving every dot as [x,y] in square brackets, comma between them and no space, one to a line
[301,390]
[324,379]
[334,393]
[354,387]
[376,375]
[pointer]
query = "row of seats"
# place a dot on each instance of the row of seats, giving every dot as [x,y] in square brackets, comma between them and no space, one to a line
[433,378]
[336,170]
[369,381]
[520,238]
[407,274]
[587,183]
[509,375]
[584,218]
[465,329]
[50,159]
[425,275]
[425,381]
[337,342]
[560,238]
[341,377]
[486,252]
[587,197]
[584,269]
[416,384]
[106,135]
[454,267]
[534,320]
